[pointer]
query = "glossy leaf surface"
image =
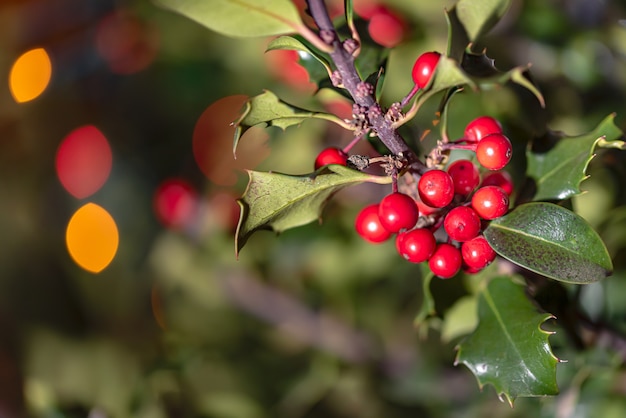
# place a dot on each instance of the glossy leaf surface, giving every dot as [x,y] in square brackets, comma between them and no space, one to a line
[240,18]
[508,349]
[278,202]
[552,241]
[559,171]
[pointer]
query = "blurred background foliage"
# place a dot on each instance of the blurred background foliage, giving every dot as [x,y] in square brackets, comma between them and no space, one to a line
[315,323]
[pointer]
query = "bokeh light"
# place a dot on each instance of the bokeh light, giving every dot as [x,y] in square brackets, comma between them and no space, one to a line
[213,142]
[126,43]
[30,75]
[175,203]
[83,161]
[284,65]
[92,237]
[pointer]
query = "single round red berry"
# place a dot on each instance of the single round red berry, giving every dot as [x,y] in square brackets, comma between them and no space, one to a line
[386,28]
[494,151]
[331,155]
[465,176]
[398,211]
[490,202]
[446,261]
[481,127]
[416,245]
[368,226]
[477,253]
[424,68]
[462,223]
[501,179]
[436,188]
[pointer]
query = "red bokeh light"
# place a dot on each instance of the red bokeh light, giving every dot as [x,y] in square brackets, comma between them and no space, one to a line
[83,161]
[213,142]
[126,43]
[175,203]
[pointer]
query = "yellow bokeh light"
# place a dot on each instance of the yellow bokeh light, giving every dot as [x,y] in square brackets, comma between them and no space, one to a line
[92,237]
[30,75]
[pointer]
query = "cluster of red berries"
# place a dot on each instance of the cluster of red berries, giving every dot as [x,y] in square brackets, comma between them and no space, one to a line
[454,199]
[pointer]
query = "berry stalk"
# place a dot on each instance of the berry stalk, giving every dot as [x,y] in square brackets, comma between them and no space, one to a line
[347,76]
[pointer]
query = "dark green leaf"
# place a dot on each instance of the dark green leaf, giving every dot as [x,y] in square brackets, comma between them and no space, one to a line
[508,349]
[267,108]
[240,18]
[559,171]
[478,17]
[552,241]
[278,202]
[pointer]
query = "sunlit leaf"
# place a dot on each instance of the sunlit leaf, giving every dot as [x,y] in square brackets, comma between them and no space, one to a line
[268,109]
[460,319]
[478,17]
[296,43]
[508,349]
[240,18]
[559,171]
[552,241]
[277,202]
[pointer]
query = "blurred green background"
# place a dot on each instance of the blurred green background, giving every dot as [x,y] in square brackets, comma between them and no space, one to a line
[314,323]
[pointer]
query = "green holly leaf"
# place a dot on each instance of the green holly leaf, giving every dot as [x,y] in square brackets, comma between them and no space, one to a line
[552,241]
[508,349]
[277,202]
[460,319]
[478,17]
[559,171]
[313,61]
[268,109]
[240,18]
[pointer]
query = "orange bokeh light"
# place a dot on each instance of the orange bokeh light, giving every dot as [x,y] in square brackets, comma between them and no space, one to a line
[92,238]
[126,43]
[213,142]
[175,203]
[83,161]
[30,75]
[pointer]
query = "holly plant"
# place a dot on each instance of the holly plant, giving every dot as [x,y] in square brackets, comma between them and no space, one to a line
[454,207]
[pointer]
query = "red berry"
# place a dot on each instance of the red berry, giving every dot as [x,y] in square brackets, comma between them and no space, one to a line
[386,28]
[331,155]
[490,202]
[446,261]
[465,176]
[494,151]
[368,226]
[424,68]
[416,245]
[424,209]
[477,253]
[398,211]
[481,127]
[436,188]
[462,223]
[501,179]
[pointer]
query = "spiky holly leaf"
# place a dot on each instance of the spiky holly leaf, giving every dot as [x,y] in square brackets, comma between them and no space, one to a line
[267,108]
[477,71]
[508,349]
[277,202]
[240,18]
[552,241]
[558,172]
[468,20]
